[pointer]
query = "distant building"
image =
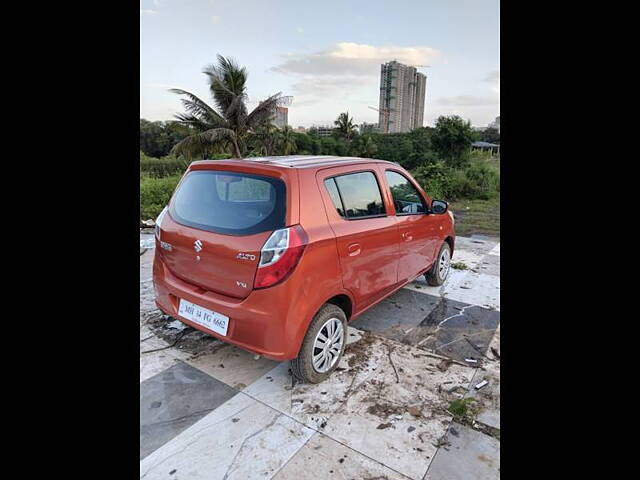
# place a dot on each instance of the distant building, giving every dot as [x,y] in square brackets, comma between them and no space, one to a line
[402,97]
[368,127]
[281,118]
[486,146]
[322,130]
[495,124]
[301,129]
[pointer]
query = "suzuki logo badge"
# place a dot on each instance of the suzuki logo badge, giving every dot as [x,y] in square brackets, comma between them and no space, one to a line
[197,245]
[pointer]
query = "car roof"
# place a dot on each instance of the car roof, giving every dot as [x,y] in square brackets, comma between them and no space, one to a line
[300,161]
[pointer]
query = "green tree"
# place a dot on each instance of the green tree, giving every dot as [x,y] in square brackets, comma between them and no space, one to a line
[328,146]
[287,140]
[157,138]
[491,135]
[452,139]
[316,146]
[304,143]
[366,147]
[229,124]
[345,127]
[265,139]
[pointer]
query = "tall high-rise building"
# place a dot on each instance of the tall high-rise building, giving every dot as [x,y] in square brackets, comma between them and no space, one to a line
[281,117]
[495,124]
[402,96]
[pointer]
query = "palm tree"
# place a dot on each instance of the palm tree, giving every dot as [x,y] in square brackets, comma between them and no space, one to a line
[265,139]
[287,140]
[367,147]
[345,126]
[228,124]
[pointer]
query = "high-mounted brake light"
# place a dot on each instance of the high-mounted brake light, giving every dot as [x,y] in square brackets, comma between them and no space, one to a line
[280,255]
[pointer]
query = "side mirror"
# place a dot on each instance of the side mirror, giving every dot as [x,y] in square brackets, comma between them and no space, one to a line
[439,207]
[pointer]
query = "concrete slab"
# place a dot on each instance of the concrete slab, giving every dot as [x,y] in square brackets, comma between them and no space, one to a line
[420,284]
[240,439]
[457,330]
[397,420]
[470,258]
[476,244]
[153,363]
[173,400]
[474,288]
[310,404]
[489,396]
[232,365]
[470,455]
[323,457]
[489,265]
[395,316]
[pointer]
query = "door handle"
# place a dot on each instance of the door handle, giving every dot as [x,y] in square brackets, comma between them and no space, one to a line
[353,249]
[407,237]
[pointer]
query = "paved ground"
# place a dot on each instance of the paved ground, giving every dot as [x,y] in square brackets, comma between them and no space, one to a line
[210,411]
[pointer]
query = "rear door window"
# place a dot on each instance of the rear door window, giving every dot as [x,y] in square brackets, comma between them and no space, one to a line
[356,195]
[406,197]
[230,203]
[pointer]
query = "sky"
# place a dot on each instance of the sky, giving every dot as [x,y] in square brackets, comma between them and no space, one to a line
[327,54]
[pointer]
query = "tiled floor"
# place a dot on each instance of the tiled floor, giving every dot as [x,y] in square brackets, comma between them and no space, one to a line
[222,414]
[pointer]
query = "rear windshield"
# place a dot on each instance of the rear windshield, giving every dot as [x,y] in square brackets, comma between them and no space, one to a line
[230,203]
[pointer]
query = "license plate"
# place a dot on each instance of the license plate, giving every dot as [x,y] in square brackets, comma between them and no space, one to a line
[202,316]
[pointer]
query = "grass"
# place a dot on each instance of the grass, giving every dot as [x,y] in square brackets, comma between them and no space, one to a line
[480,217]
[464,410]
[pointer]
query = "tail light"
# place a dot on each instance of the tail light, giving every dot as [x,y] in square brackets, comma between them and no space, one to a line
[159,222]
[280,255]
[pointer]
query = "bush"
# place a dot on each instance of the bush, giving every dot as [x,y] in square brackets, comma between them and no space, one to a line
[169,165]
[480,180]
[435,178]
[477,181]
[155,194]
[484,181]
[161,167]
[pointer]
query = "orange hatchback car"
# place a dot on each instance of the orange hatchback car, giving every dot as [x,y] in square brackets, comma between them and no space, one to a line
[277,254]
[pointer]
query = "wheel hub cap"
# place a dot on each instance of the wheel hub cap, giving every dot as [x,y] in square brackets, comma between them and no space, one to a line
[445,260]
[327,345]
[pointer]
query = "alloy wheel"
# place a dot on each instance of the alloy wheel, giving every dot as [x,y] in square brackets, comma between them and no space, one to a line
[327,345]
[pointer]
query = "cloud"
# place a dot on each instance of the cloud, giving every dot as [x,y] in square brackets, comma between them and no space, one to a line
[493,77]
[299,29]
[467,101]
[148,11]
[348,58]
[215,19]
[313,90]
[343,76]
[161,85]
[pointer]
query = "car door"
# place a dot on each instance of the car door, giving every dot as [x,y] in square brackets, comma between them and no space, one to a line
[366,237]
[417,229]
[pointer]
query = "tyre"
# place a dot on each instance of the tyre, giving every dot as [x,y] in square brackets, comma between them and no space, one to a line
[438,273]
[323,345]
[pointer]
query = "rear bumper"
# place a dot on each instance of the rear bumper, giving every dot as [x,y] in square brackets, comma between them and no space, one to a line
[263,323]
